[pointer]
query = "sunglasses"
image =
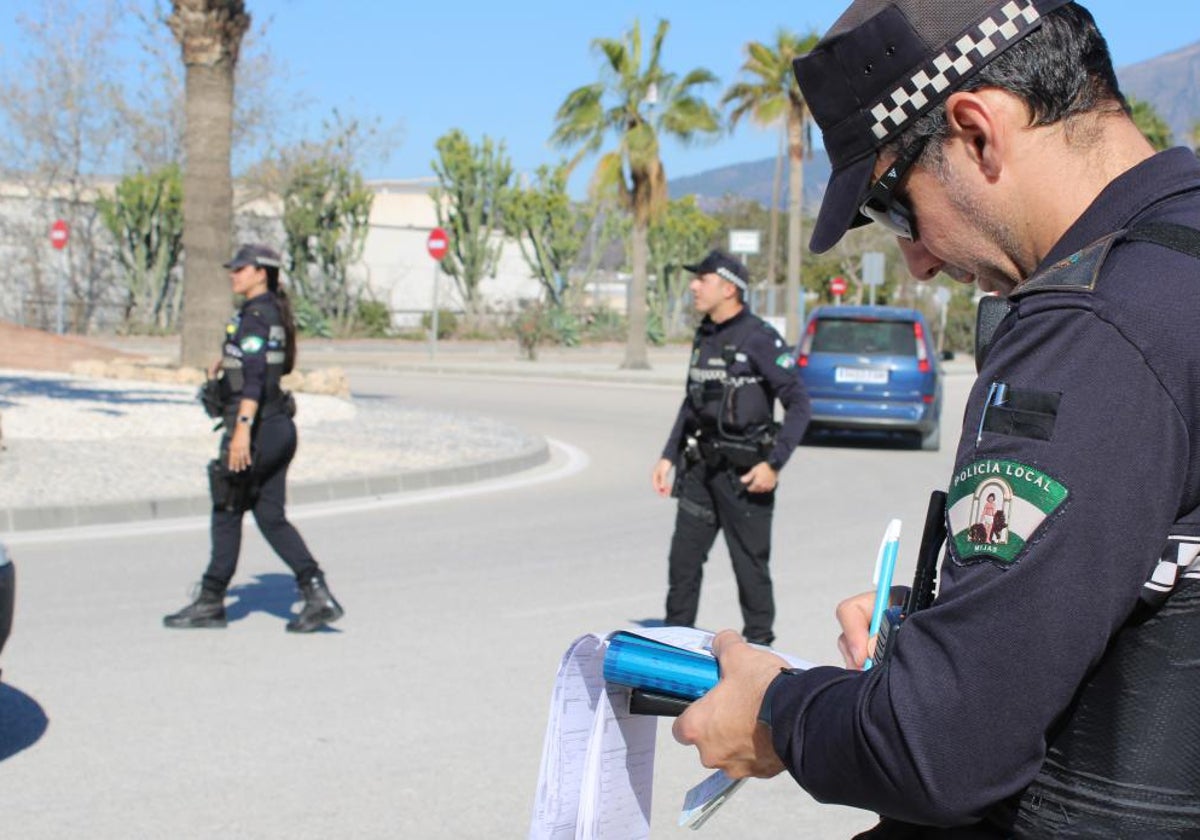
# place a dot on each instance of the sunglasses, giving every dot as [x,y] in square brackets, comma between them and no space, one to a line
[882,205]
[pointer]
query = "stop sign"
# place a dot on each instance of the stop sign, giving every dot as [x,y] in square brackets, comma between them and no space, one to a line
[837,286]
[437,243]
[58,234]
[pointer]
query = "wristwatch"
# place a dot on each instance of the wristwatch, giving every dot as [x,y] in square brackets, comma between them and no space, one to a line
[764,711]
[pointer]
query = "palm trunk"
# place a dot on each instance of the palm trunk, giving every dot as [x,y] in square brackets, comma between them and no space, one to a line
[635,343]
[776,189]
[795,201]
[209,33]
[207,209]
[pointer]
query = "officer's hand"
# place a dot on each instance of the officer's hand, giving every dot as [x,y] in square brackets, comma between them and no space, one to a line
[660,477]
[854,614]
[761,478]
[723,724]
[239,449]
[214,369]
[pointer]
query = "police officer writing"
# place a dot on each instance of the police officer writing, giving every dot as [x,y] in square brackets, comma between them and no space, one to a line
[258,444]
[1050,688]
[726,448]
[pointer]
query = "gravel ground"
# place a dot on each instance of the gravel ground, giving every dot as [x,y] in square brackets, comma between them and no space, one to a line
[69,441]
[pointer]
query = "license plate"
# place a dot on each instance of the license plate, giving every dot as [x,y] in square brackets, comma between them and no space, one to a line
[865,376]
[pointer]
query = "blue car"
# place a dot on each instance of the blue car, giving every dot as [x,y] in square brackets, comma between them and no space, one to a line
[873,368]
[7,585]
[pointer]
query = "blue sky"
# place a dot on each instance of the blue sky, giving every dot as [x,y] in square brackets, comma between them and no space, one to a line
[503,68]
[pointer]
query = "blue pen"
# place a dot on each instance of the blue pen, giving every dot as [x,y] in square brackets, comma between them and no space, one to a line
[885,566]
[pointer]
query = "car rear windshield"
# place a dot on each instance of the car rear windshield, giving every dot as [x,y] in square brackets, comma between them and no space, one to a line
[865,337]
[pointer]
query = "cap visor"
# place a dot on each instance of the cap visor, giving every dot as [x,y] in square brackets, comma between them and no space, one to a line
[839,209]
[692,269]
[236,264]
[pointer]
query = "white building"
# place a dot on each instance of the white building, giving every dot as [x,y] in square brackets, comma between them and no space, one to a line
[396,268]
[399,271]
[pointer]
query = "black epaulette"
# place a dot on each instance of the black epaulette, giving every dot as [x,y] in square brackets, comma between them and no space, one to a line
[1077,273]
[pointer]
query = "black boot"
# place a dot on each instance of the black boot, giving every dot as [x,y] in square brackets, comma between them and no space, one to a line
[320,607]
[208,610]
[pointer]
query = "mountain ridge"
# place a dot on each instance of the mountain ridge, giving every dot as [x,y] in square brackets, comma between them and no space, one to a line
[1170,82]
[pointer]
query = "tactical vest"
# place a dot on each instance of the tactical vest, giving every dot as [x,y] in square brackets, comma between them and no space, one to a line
[232,374]
[730,400]
[1125,760]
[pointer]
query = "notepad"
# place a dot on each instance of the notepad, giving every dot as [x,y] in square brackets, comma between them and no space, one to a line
[597,767]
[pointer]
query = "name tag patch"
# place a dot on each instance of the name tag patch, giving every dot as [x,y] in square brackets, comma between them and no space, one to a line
[995,506]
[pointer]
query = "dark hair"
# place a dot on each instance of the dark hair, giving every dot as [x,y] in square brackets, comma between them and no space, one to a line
[1060,71]
[285,314]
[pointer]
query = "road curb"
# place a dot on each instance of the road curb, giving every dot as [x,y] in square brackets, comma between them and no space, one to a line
[13,520]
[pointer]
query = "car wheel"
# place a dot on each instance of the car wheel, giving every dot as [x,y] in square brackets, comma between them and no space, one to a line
[932,442]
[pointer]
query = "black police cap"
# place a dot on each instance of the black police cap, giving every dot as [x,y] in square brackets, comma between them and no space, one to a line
[729,268]
[257,255]
[882,65]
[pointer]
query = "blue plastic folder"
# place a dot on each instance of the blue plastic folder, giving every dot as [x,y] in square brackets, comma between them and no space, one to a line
[638,662]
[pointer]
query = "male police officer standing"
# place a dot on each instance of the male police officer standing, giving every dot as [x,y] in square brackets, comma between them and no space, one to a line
[726,447]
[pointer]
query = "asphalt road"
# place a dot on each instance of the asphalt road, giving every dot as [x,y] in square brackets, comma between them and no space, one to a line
[421,715]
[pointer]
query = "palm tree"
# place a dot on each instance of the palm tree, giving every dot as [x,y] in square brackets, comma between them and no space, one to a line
[637,104]
[209,33]
[773,96]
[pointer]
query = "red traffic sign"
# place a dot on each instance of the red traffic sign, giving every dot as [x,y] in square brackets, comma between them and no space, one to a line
[59,234]
[437,244]
[837,286]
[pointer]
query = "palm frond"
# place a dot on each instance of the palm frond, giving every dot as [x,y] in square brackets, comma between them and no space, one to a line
[614,53]
[660,34]
[697,77]
[608,181]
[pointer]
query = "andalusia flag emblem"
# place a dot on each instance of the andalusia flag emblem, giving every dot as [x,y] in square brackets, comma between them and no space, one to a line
[995,506]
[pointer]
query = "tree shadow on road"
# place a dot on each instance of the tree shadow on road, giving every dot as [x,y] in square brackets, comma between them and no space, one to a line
[22,721]
[15,388]
[273,594]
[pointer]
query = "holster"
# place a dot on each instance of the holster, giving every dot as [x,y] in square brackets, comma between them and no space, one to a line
[209,396]
[231,491]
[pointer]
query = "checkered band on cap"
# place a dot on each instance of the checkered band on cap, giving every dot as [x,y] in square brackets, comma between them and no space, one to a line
[726,274]
[960,59]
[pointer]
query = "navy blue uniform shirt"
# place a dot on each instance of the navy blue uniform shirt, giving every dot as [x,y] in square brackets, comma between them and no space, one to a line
[761,353]
[249,338]
[1064,494]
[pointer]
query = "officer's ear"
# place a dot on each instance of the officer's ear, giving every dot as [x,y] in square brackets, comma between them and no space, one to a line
[982,122]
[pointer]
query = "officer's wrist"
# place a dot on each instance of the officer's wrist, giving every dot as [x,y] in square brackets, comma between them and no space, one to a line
[767,707]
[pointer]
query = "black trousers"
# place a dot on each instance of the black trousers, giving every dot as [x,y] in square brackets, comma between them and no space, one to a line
[711,500]
[273,447]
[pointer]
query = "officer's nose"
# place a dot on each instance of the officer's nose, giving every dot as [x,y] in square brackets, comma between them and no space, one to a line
[921,263]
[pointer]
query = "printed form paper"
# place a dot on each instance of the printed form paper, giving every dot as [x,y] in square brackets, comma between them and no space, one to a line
[597,763]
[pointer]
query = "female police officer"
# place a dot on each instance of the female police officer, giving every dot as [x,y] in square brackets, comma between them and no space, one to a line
[257,447]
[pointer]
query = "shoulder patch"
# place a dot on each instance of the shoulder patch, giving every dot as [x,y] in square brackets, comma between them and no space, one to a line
[994,507]
[785,361]
[252,344]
